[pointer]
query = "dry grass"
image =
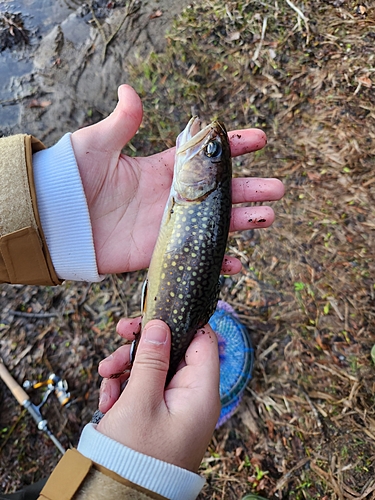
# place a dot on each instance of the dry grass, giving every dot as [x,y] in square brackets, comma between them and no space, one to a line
[306,427]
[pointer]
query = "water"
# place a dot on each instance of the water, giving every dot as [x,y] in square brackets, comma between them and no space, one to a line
[39,17]
[60,80]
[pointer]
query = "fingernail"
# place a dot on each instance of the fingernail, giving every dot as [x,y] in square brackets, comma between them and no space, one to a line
[103,399]
[155,334]
[105,360]
[103,395]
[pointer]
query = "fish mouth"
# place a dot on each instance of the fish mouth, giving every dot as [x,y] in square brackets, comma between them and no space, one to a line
[193,136]
[193,180]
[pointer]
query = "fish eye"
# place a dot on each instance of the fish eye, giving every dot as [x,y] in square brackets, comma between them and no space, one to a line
[213,149]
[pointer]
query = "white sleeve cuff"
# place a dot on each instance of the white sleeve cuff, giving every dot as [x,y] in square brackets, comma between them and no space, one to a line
[64,213]
[167,480]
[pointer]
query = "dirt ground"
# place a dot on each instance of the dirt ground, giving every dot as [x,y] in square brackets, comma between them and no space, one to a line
[77,66]
[304,73]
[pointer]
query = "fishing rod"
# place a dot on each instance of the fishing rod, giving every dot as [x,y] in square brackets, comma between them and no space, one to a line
[53,383]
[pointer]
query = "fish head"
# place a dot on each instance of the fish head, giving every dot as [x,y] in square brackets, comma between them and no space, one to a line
[202,160]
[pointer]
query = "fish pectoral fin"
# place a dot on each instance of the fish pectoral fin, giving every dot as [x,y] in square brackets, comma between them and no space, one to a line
[169,209]
[144,296]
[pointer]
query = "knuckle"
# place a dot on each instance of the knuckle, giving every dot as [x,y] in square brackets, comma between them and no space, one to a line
[151,363]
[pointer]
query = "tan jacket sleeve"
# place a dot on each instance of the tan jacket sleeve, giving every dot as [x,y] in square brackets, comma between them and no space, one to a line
[77,476]
[24,256]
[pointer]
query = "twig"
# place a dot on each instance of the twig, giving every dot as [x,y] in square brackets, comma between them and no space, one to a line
[20,417]
[341,374]
[46,133]
[11,23]
[352,395]
[107,41]
[299,12]
[257,52]
[265,353]
[240,254]
[124,305]
[334,306]
[33,315]
[15,100]
[285,478]
[7,102]
[112,36]
[100,28]
[302,16]
[313,409]
[368,490]
[84,296]
[328,478]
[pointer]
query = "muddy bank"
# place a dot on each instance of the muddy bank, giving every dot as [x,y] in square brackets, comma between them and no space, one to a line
[67,75]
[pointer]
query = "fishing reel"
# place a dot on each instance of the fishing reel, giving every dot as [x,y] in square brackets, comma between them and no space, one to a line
[55,385]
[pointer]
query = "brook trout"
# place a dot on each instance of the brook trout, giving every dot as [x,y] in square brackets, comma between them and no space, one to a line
[182,286]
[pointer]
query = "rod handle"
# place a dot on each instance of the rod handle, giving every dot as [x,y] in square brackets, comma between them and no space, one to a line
[13,386]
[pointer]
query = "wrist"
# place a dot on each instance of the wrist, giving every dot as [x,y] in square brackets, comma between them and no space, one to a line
[155,475]
[64,212]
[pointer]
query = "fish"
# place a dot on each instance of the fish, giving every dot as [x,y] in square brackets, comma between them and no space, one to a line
[182,284]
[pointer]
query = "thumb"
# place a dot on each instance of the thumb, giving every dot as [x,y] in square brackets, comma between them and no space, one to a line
[150,367]
[112,133]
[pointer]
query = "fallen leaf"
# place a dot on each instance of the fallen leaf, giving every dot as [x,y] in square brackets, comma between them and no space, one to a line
[365,80]
[313,176]
[155,14]
[235,35]
[35,103]
[239,451]
[362,10]
[322,343]
[22,354]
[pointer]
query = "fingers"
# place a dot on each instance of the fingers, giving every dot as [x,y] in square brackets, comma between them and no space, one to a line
[201,371]
[124,122]
[150,367]
[192,397]
[119,360]
[245,190]
[251,218]
[202,358]
[246,141]
[241,142]
[113,370]
[230,265]
[201,365]
[203,354]
[116,363]
[112,133]
[129,327]
[110,390]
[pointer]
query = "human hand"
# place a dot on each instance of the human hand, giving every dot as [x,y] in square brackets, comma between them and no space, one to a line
[173,424]
[126,196]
